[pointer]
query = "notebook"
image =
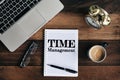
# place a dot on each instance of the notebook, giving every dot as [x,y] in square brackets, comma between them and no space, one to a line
[61,52]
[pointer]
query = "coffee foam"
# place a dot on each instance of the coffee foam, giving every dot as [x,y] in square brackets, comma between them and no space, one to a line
[97,53]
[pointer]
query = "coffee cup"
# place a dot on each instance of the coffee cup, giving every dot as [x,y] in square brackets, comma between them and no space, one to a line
[97,53]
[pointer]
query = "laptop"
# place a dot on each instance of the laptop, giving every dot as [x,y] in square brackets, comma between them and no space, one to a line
[20,19]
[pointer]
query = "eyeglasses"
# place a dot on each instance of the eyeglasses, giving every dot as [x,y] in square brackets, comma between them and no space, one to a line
[27,56]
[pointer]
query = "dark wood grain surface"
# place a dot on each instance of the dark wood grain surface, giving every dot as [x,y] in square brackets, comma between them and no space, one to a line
[72,17]
[113,55]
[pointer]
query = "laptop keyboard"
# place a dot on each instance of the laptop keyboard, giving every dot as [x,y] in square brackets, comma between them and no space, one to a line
[12,10]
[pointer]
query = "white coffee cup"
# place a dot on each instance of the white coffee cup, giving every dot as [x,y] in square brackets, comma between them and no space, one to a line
[97,53]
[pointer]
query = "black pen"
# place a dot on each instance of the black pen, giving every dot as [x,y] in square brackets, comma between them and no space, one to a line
[62,68]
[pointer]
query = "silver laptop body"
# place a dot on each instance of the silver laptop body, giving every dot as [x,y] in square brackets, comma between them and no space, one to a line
[22,27]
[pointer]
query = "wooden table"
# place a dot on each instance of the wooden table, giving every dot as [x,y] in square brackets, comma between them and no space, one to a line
[72,17]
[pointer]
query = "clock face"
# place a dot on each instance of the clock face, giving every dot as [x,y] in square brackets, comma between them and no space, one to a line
[92,22]
[1,1]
